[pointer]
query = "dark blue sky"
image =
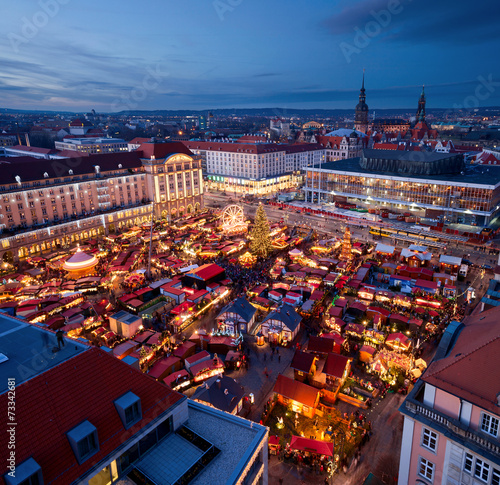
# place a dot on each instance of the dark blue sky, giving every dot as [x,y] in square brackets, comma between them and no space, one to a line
[205,54]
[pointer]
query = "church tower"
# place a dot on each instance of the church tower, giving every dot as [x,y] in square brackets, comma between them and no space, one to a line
[421,108]
[361,115]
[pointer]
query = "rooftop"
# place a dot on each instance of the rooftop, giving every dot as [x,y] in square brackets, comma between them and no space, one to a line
[237,443]
[461,371]
[30,351]
[56,400]
[472,174]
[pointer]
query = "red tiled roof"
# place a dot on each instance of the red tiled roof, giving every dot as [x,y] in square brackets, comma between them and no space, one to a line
[254,148]
[469,370]
[55,401]
[164,150]
[385,146]
[296,391]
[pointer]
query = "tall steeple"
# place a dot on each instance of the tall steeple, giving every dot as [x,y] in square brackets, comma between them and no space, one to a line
[421,107]
[361,114]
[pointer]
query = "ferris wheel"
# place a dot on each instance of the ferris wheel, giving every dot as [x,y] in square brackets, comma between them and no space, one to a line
[233,216]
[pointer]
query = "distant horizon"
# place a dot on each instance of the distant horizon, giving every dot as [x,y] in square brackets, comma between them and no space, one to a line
[279,111]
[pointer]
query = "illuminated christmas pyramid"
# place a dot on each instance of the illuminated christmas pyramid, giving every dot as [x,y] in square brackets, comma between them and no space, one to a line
[346,251]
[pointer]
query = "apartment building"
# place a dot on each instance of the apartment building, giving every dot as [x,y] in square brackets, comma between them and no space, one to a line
[46,204]
[452,415]
[255,168]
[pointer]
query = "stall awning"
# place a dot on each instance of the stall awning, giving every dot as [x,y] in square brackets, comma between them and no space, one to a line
[313,446]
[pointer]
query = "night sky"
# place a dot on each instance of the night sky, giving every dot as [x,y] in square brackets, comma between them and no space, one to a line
[206,54]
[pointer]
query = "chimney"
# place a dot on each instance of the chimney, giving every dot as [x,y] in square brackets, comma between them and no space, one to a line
[226,392]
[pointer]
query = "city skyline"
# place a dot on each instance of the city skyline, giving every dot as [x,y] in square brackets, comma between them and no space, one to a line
[58,55]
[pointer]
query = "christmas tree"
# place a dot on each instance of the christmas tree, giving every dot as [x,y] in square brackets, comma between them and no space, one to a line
[260,244]
[345,253]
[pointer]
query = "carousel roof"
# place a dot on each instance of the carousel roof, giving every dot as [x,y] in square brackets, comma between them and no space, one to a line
[79,261]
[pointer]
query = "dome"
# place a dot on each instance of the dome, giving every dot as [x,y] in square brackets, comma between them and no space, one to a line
[80,261]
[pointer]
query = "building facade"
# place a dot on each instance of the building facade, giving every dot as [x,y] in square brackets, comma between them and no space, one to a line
[47,204]
[175,179]
[341,144]
[92,145]
[430,184]
[255,168]
[452,415]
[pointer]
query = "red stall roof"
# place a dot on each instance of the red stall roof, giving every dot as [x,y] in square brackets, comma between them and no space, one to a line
[313,446]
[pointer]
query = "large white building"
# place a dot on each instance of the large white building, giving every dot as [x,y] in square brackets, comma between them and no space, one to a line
[46,204]
[256,168]
[93,145]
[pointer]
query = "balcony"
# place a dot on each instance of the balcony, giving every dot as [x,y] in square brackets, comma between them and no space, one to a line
[453,425]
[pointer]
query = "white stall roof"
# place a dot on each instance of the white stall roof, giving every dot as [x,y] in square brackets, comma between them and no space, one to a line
[384,248]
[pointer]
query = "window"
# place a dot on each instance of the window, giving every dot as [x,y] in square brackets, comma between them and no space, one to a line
[129,457]
[489,424]
[481,470]
[28,472]
[129,409]
[83,440]
[87,445]
[426,469]
[495,477]
[469,460]
[429,439]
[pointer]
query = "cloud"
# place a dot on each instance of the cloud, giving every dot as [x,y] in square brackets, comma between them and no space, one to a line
[422,21]
[267,74]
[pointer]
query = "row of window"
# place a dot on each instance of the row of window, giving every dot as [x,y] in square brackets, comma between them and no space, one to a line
[474,466]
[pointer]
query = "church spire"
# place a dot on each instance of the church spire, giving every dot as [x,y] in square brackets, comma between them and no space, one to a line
[361,114]
[421,107]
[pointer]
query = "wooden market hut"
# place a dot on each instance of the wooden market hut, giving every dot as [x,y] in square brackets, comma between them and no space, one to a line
[303,399]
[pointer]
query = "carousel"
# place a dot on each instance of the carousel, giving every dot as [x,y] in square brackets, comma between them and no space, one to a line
[247,260]
[80,264]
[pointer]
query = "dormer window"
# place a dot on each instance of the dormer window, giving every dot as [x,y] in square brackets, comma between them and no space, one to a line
[28,472]
[84,441]
[129,409]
